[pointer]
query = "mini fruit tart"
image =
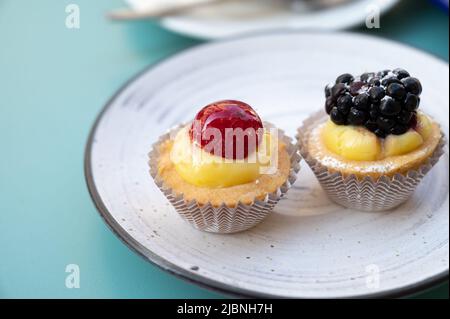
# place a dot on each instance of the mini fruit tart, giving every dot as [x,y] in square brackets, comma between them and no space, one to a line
[373,146]
[224,171]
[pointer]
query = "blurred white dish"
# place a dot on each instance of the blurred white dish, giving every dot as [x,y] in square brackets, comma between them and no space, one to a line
[230,19]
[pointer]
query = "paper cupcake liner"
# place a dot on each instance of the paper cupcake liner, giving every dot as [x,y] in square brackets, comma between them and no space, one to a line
[224,219]
[365,193]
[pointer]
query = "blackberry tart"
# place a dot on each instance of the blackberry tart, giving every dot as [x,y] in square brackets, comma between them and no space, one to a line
[218,180]
[373,146]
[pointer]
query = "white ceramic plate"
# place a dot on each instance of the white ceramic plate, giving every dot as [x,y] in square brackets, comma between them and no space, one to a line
[260,15]
[309,247]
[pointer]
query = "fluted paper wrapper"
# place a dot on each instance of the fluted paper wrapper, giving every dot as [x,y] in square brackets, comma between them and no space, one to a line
[224,219]
[365,193]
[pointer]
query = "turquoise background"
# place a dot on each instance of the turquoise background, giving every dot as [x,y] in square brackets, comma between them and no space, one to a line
[53,83]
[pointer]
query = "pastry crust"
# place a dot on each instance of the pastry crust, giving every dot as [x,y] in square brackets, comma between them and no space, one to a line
[389,166]
[230,196]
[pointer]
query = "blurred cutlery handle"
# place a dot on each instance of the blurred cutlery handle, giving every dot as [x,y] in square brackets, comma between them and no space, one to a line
[162,10]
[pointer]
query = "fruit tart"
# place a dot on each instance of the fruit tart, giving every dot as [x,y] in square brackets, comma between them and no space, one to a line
[225,170]
[373,146]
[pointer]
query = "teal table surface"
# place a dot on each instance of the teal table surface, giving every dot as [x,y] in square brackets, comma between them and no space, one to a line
[53,83]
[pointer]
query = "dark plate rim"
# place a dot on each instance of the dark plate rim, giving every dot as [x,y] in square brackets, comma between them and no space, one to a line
[196,278]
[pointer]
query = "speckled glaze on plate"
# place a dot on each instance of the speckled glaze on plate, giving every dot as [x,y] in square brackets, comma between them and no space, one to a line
[309,247]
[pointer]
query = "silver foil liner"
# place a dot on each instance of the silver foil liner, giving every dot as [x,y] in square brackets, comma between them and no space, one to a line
[364,194]
[224,219]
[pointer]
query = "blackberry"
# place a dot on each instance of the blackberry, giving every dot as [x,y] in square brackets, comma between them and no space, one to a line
[383,73]
[327,91]
[390,107]
[412,85]
[367,76]
[329,104]
[385,123]
[413,122]
[399,129]
[397,91]
[401,73]
[404,117]
[356,87]
[357,117]
[377,93]
[374,114]
[362,101]
[411,102]
[337,117]
[338,90]
[345,103]
[384,102]
[389,80]
[380,133]
[371,125]
[376,81]
[345,78]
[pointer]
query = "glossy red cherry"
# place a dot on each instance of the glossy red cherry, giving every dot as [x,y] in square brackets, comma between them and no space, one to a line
[215,129]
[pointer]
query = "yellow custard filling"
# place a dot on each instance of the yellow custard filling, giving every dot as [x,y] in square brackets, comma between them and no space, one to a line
[359,144]
[204,169]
